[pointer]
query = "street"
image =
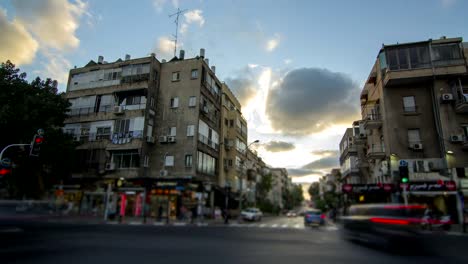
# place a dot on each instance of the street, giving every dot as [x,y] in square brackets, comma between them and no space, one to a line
[274,240]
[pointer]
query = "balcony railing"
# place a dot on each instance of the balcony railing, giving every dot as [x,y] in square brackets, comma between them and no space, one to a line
[376,151]
[133,107]
[91,137]
[81,111]
[205,140]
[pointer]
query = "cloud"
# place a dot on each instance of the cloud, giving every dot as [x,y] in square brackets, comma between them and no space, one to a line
[302,172]
[52,22]
[326,163]
[252,66]
[175,3]
[18,45]
[244,85]
[273,43]
[192,17]
[278,146]
[448,3]
[325,153]
[309,100]
[165,47]
[287,61]
[56,68]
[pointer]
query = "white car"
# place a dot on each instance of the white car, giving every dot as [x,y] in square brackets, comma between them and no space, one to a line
[252,214]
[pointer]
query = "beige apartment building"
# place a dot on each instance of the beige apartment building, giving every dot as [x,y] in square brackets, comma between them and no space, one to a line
[151,129]
[414,107]
[233,153]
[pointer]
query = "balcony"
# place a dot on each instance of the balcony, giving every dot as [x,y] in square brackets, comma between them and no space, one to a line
[461,106]
[206,141]
[373,121]
[376,151]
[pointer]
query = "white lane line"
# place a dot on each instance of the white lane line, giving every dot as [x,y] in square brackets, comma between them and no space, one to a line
[284,226]
[202,224]
[11,230]
[262,225]
[274,226]
[111,223]
[234,225]
[135,223]
[298,226]
[180,224]
[158,223]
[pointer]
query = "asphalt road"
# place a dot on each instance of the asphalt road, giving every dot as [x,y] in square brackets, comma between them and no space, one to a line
[92,243]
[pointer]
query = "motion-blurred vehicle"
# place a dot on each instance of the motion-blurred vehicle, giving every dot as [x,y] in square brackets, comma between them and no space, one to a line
[314,217]
[252,214]
[291,214]
[384,224]
[436,222]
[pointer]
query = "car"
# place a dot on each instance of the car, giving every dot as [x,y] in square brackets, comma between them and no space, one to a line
[291,214]
[252,214]
[314,217]
[384,224]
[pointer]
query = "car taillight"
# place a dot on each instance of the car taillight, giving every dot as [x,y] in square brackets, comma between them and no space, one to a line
[308,215]
[322,216]
[389,221]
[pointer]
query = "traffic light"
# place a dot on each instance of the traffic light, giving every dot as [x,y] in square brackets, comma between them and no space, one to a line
[4,172]
[36,145]
[404,177]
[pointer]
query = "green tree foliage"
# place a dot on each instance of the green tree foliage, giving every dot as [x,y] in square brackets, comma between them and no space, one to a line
[24,108]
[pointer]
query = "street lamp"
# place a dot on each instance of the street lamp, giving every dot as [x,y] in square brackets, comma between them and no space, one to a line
[256,141]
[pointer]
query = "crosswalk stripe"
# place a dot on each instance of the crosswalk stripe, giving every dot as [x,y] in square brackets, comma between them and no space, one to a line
[275,226]
[134,223]
[262,225]
[180,224]
[298,226]
[284,226]
[158,223]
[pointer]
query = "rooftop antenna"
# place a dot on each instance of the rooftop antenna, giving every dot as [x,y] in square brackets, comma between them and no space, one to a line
[176,21]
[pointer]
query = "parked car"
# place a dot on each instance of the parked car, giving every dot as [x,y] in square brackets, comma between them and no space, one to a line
[291,214]
[252,214]
[314,217]
[384,224]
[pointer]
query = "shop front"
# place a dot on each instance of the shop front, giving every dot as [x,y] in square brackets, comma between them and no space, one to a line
[367,193]
[441,196]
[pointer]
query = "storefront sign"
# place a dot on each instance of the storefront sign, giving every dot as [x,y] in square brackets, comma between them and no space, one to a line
[367,188]
[430,186]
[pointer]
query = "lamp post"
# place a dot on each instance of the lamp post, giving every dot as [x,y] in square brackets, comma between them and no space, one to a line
[227,189]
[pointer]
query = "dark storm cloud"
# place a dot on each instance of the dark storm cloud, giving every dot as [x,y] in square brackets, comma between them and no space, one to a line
[244,86]
[309,100]
[323,164]
[279,146]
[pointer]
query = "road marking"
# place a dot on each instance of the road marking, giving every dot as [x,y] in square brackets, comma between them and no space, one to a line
[284,226]
[235,225]
[180,224]
[111,223]
[262,225]
[202,224]
[331,228]
[274,226]
[134,223]
[11,230]
[298,226]
[158,223]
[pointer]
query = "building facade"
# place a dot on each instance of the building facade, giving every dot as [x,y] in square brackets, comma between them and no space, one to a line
[414,113]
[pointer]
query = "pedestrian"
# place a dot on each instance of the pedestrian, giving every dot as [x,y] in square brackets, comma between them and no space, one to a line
[160,212]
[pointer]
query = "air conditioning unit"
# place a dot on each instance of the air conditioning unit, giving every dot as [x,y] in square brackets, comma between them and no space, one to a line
[149,139]
[110,166]
[456,138]
[118,110]
[171,139]
[162,139]
[163,173]
[447,97]
[417,146]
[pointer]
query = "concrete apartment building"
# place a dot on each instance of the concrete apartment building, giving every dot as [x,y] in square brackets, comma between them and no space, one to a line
[280,183]
[414,108]
[148,128]
[233,153]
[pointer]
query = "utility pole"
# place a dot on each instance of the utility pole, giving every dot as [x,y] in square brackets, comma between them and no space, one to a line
[176,21]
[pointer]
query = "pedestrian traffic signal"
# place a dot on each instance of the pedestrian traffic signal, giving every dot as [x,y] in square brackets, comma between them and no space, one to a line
[36,145]
[404,175]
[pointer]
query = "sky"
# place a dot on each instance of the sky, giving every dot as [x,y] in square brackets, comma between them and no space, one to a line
[297,67]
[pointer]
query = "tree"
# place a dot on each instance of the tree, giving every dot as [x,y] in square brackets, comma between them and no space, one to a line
[24,108]
[265,185]
[314,190]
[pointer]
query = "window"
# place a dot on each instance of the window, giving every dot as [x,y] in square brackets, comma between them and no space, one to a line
[146,161]
[190,130]
[122,126]
[175,76]
[70,131]
[152,102]
[173,131]
[230,162]
[446,52]
[206,164]
[413,137]
[103,132]
[188,160]
[175,102]
[124,160]
[231,122]
[194,74]
[169,161]
[465,130]
[192,101]
[409,104]
[226,122]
